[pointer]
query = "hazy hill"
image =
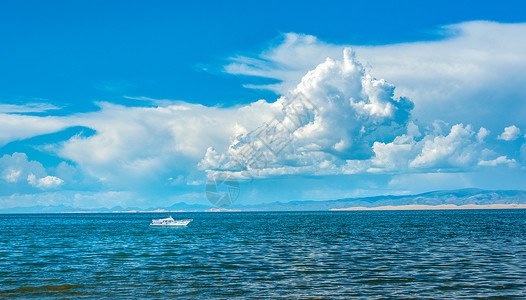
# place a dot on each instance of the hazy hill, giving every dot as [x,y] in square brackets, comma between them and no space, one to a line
[456,197]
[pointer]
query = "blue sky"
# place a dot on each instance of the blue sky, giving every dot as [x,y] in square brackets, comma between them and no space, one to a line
[134,104]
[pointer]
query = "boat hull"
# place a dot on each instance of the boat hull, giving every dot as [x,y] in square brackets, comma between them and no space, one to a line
[178,225]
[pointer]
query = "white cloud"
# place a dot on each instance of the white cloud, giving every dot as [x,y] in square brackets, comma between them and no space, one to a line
[353,122]
[343,110]
[510,133]
[337,138]
[32,179]
[501,160]
[17,166]
[23,175]
[477,67]
[49,182]
[413,130]
[455,150]
[18,127]
[11,175]
[27,108]
[482,134]
[447,150]
[393,156]
[139,145]
[288,61]
[212,159]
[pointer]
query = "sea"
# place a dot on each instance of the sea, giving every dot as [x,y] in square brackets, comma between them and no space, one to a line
[460,254]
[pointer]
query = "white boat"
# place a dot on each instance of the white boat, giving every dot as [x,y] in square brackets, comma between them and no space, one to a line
[169,222]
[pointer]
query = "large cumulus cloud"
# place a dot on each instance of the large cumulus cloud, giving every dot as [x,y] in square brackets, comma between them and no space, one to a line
[334,114]
[357,125]
[339,113]
[474,66]
[339,119]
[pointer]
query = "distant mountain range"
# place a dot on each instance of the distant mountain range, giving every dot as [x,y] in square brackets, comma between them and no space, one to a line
[454,197]
[69,209]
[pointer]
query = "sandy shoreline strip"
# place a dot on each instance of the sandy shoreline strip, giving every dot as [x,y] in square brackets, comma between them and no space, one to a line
[436,207]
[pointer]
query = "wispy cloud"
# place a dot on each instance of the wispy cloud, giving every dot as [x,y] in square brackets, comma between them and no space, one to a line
[27,108]
[158,102]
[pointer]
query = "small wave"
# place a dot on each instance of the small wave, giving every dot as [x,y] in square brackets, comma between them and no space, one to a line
[40,289]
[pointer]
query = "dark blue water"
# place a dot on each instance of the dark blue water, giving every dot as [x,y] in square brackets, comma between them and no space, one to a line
[400,254]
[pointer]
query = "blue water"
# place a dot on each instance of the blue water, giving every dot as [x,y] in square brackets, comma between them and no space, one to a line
[399,254]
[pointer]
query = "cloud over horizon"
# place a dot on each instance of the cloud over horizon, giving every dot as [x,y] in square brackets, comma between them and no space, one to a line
[404,109]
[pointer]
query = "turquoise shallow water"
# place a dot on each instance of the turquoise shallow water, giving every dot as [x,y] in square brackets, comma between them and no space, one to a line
[398,254]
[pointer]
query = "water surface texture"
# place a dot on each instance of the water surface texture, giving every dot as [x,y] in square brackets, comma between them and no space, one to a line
[391,254]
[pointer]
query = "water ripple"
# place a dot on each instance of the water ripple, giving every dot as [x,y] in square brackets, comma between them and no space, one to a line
[416,254]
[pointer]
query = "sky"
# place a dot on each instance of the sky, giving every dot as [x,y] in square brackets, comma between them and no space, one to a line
[134,104]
